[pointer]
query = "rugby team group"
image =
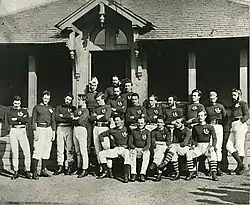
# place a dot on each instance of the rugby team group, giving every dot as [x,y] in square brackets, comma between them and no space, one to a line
[116,125]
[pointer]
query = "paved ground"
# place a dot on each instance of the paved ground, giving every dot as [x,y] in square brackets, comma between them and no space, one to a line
[70,190]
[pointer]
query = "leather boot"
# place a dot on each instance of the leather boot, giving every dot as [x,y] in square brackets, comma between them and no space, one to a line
[142,178]
[34,169]
[158,178]
[190,176]
[104,173]
[241,168]
[15,175]
[133,177]
[44,172]
[214,176]
[83,173]
[126,173]
[27,175]
[110,173]
[219,173]
[59,170]
[176,177]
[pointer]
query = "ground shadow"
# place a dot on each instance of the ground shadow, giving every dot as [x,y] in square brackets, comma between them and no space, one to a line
[226,194]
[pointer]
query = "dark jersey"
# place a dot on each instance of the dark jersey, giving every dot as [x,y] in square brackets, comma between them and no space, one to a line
[118,137]
[161,135]
[119,104]
[133,113]
[140,139]
[240,110]
[17,116]
[171,115]
[183,136]
[153,113]
[83,119]
[215,112]
[43,114]
[102,110]
[192,111]
[63,113]
[204,133]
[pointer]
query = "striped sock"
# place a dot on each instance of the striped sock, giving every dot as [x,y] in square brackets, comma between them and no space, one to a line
[168,157]
[190,165]
[213,166]
[176,167]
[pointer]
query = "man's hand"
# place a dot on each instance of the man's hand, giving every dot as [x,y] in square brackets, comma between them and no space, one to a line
[53,136]
[132,117]
[60,115]
[190,121]
[99,117]
[36,138]
[113,109]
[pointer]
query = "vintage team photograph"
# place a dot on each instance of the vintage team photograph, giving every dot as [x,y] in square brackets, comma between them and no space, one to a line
[124,102]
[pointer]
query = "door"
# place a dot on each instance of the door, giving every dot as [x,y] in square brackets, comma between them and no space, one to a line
[104,64]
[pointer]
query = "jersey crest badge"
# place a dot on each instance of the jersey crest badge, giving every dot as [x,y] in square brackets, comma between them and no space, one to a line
[205,131]
[103,110]
[164,136]
[237,105]
[20,114]
[69,110]
[156,112]
[144,136]
[194,108]
[50,110]
[139,112]
[217,110]
[175,114]
[79,112]
[119,103]
[124,134]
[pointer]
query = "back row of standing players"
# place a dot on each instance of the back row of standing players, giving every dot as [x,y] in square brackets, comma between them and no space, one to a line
[117,125]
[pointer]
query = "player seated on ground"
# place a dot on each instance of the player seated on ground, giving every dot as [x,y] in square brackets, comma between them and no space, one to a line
[179,147]
[204,143]
[139,144]
[118,138]
[161,139]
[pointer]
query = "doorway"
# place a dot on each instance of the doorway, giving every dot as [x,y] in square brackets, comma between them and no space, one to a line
[104,64]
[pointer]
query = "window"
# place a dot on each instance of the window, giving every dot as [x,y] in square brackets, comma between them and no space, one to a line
[100,37]
[121,38]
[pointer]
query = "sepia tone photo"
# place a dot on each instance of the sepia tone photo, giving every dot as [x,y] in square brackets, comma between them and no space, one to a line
[124,102]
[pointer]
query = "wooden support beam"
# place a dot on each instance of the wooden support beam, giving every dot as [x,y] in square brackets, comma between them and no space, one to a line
[244,74]
[191,72]
[32,84]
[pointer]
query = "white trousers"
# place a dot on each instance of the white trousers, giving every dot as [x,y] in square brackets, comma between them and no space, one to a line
[80,135]
[19,136]
[106,155]
[159,152]
[236,140]
[202,148]
[138,153]
[98,146]
[178,150]
[219,134]
[42,146]
[64,142]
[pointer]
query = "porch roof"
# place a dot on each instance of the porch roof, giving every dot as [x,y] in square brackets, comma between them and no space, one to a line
[173,19]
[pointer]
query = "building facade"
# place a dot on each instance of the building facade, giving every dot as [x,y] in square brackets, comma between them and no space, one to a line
[163,46]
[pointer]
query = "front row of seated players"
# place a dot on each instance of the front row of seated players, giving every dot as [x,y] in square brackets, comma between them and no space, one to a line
[202,141]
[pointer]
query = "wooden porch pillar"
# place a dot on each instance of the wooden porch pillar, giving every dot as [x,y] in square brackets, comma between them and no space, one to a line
[244,74]
[191,72]
[32,85]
